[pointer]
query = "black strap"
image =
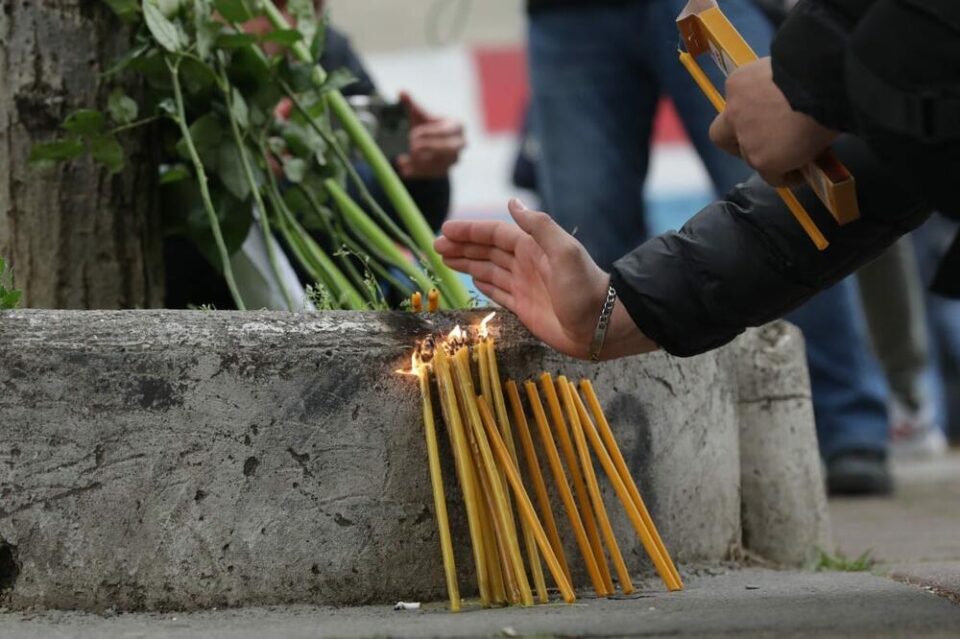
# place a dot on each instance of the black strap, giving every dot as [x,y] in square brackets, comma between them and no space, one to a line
[928,115]
[947,280]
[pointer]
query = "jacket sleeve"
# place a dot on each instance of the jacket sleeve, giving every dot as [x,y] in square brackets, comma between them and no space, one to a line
[808,58]
[744,261]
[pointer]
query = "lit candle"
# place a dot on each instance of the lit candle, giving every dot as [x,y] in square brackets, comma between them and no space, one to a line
[465,470]
[536,476]
[583,497]
[436,480]
[563,487]
[488,348]
[567,390]
[512,546]
[523,500]
[501,572]
[675,583]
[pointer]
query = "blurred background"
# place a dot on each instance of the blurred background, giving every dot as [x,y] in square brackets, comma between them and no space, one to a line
[467,59]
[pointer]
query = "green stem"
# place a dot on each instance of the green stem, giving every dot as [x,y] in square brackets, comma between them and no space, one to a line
[451,286]
[367,229]
[204,187]
[378,268]
[268,238]
[313,258]
[133,125]
[337,236]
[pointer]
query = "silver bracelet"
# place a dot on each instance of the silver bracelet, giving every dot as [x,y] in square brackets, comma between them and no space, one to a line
[600,333]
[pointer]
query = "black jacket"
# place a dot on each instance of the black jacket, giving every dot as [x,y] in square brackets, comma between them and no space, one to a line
[744,260]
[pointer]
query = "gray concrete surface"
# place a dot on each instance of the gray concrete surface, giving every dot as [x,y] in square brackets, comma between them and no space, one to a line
[747,604]
[158,460]
[915,535]
[784,515]
[920,523]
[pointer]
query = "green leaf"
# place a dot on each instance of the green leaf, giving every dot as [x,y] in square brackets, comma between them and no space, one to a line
[282,36]
[167,34]
[338,79]
[84,122]
[9,299]
[233,10]
[294,169]
[173,173]
[167,106]
[123,109]
[235,40]
[319,41]
[126,9]
[107,150]
[230,170]
[65,149]
[124,61]
[207,134]
[238,109]
[304,16]
[207,29]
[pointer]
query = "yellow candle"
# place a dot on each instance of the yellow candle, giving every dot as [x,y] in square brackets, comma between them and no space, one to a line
[439,499]
[536,476]
[468,401]
[500,406]
[675,583]
[583,497]
[526,508]
[626,584]
[465,471]
[566,496]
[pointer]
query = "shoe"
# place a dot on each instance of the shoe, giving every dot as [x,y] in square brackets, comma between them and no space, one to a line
[859,472]
[914,433]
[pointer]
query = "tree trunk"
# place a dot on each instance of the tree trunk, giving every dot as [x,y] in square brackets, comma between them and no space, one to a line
[75,235]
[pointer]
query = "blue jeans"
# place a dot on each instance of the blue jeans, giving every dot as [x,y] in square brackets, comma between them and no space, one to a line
[597,73]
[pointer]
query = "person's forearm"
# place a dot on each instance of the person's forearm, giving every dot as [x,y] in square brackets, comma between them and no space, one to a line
[744,261]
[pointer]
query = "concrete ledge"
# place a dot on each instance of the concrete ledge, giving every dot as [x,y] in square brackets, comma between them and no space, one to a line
[163,459]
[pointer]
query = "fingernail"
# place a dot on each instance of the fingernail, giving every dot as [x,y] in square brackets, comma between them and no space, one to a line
[518,203]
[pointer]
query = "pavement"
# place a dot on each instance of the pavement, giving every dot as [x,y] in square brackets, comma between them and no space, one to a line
[912,592]
[739,603]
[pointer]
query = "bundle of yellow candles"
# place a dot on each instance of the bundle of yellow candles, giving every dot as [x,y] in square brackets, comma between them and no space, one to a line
[500,514]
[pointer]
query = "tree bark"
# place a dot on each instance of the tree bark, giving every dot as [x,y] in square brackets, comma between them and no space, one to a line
[75,235]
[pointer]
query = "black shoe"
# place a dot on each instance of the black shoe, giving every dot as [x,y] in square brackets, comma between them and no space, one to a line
[861,472]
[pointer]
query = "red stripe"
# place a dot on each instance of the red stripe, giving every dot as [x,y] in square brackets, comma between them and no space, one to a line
[505,90]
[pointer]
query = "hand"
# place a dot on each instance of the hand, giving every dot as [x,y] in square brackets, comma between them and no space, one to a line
[759,125]
[435,143]
[543,275]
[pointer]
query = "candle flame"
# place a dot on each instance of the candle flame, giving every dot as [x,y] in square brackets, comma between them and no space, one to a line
[484,330]
[416,365]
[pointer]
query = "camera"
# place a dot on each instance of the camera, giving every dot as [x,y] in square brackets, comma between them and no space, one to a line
[388,122]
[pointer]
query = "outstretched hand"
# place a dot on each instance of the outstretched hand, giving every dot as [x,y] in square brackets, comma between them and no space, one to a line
[542,274]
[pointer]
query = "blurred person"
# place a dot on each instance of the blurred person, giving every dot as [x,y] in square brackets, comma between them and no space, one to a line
[896,312]
[932,242]
[433,147]
[598,70]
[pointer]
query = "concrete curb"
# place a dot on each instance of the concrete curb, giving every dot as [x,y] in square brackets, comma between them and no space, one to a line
[162,459]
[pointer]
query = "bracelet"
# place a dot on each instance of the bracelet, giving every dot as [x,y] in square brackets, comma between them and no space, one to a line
[600,333]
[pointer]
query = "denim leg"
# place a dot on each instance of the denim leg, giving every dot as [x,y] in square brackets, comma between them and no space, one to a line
[849,393]
[592,114]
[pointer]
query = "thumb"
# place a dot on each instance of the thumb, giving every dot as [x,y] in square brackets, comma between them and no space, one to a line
[416,112]
[723,135]
[545,232]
